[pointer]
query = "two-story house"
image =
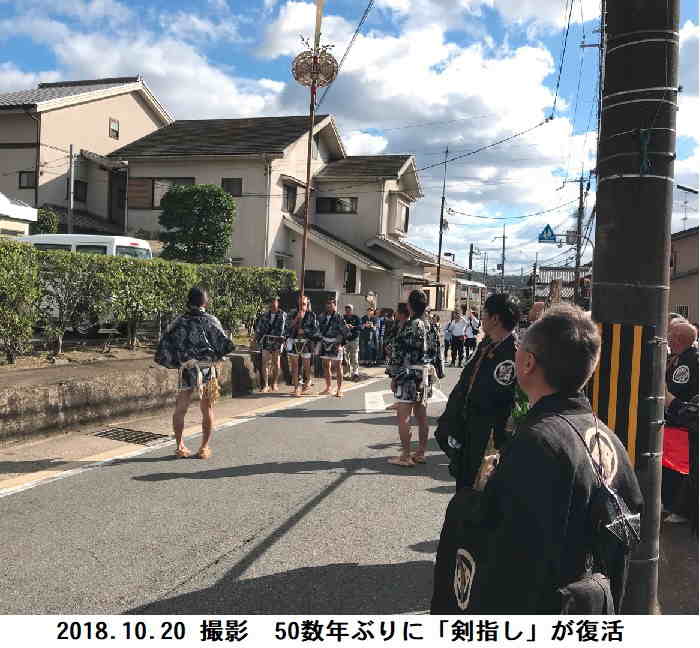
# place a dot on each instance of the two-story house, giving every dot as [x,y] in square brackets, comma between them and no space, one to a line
[38,127]
[360,205]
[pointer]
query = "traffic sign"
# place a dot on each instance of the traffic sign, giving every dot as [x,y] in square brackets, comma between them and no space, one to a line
[547,235]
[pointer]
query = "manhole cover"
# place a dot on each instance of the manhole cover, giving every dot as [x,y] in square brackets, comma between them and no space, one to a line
[132,436]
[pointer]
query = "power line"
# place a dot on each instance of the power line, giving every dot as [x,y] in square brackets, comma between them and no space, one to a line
[561,62]
[538,213]
[370,4]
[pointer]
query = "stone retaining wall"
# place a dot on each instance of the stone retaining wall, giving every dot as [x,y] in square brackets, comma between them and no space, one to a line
[51,401]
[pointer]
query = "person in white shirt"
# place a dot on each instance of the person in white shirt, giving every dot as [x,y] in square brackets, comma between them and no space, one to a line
[448,336]
[458,331]
[472,331]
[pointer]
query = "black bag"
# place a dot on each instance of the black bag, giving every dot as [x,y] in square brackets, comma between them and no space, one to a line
[615,530]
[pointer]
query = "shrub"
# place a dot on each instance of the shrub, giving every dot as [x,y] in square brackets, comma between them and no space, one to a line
[19,296]
[198,221]
[46,222]
[74,290]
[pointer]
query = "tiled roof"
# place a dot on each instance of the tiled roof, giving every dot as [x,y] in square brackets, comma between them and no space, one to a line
[324,235]
[419,255]
[381,166]
[49,91]
[219,137]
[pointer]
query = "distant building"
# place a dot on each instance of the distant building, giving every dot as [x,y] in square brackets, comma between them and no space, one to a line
[683,298]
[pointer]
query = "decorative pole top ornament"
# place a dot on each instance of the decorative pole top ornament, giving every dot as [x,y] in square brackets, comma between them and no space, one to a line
[315,68]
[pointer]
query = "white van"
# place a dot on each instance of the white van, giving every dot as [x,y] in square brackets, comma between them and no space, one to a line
[91,244]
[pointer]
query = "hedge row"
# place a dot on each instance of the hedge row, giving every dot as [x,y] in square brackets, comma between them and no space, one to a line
[61,290]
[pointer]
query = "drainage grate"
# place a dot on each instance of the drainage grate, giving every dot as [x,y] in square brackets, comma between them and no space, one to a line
[132,436]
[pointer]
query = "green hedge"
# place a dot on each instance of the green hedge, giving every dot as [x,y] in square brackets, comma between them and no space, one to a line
[58,290]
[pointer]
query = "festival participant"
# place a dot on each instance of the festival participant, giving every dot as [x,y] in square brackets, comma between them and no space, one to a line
[681,384]
[471,333]
[415,364]
[553,529]
[269,334]
[333,331]
[368,338]
[301,333]
[194,343]
[483,399]
[351,357]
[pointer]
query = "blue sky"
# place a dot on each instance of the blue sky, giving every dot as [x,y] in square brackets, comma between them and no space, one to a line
[423,74]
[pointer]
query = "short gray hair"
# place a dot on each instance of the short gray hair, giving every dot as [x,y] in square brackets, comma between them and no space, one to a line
[566,344]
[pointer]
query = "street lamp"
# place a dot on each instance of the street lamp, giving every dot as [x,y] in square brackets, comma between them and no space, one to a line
[314,68]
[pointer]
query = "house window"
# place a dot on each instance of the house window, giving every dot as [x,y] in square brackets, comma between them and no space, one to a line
[27,179]
[289,198]
[681,309]
[79,190]
[350,278]
[232,186]
[279,262]
[315,279]
[314,148]
[336,205]
[113,128]
[140,193]
[406,212]
[9,232]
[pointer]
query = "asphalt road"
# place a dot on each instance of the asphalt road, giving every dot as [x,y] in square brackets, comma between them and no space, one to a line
[297,511]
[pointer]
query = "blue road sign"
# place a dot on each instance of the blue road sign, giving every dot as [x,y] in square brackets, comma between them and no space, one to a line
[547,235]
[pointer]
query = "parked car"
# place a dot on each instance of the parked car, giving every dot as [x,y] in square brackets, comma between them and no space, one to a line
[91,244]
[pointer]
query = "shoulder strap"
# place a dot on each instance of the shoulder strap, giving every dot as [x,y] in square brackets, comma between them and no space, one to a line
[598,467]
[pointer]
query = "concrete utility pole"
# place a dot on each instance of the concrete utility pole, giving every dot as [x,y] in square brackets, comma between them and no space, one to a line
[439,303]
[635,170]
[503,260]
[534,279]
[471,255]
[71,188]
[579,234]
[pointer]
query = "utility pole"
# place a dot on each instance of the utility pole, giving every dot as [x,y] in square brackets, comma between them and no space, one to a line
[579,234]
[486,258]
[442,225]
[71,188]
[471,255]
[503,259]
[635,170]
[534,280]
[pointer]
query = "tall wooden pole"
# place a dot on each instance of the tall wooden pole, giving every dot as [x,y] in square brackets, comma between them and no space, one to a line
[439,304]
[312,120]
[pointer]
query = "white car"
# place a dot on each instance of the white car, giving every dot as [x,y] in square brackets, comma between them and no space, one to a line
[91,244]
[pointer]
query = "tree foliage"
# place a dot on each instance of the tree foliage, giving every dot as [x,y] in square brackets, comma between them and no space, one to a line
[74,287]
[198,221]
[19,296]
[46,222]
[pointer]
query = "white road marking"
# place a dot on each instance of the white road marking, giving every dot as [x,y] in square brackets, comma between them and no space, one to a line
[5,492]
[378,401]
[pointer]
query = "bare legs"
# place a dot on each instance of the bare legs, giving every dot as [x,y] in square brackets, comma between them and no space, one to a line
[270,358]
[182,404]
[327,366]
[403,415]
[306,374]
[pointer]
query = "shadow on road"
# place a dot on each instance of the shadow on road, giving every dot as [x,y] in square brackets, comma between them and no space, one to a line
[342,588]
[370,465]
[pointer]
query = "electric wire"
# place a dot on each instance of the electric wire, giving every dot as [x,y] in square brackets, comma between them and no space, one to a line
[561,62]
[538,213]
[370,4]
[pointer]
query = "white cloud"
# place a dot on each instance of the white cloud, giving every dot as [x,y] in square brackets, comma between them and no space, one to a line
[359,143]
[191,27]
[296,19]
[13,79]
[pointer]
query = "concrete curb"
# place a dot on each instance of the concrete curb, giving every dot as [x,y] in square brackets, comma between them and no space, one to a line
[49,407]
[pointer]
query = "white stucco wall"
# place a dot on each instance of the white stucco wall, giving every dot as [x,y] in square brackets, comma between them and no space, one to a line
[249,230]
[16,128]
[86,126]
